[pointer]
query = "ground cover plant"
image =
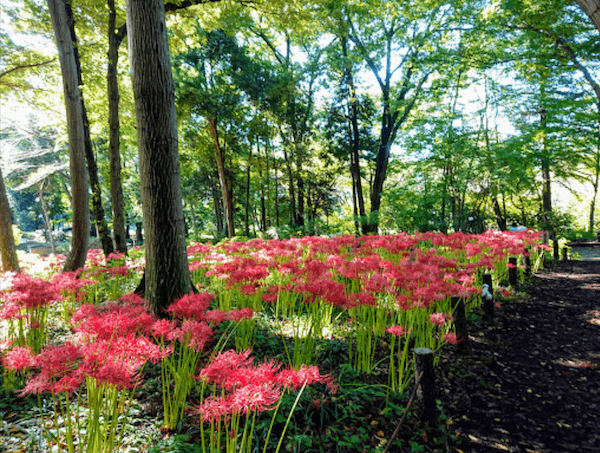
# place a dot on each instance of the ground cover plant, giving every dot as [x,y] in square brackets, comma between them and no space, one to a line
[289,345]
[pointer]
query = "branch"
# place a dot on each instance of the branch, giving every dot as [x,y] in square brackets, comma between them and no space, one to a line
[27,66]
[170,6]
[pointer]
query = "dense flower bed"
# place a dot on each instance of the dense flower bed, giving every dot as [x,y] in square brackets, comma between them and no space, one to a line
[84,339]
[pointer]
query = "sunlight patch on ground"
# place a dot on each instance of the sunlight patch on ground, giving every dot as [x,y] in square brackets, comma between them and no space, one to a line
[593,317]
[576,363]
[490,443]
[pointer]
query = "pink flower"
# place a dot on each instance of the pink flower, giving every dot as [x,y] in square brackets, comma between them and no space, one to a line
[240,315]
[213,408]
[439,318]
[225,364]
[254,398]
[161,328]
[450,338]
[397,331]
[191,306]
[18,359]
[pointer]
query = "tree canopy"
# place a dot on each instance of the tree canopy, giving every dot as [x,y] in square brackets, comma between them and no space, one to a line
[330,117]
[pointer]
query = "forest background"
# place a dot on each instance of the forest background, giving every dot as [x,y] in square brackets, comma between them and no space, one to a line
[325,117]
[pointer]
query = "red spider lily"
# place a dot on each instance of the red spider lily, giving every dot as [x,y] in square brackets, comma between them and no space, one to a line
[70,283]
[252,388]
[224,365]
[197,333]
[254,398]
[191,306]
[111,319]
[397,331]
[10,310]
[439,318]
[31,293]
[18,359]
[450,338]
[162,328]
[240,315]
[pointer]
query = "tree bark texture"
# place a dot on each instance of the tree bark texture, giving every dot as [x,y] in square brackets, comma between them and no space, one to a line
[96,205]
[115,38]
[592,9]
[79,187]
[8,250]
[167,272]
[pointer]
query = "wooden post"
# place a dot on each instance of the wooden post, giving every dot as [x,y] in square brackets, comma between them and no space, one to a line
[555,246]
[487,296]
[565,254]
[512,271]
[460,322]
[424,363]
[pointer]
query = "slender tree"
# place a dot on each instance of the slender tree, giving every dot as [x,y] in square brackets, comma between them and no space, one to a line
[75,128]
[8,250]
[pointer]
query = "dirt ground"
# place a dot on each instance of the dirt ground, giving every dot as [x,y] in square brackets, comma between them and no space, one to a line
[530,382]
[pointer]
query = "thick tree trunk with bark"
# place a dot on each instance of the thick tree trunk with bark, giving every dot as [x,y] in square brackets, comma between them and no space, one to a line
[167,275]
[8,250]
[592,9]
[115,38]
[80,204]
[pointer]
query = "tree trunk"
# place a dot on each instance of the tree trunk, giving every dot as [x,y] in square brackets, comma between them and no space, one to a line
[500,218]
[546,176]
[276,193]
[592,9]
[354,141]
[247,213]
[97,208]
[264,185]
[167,275]
[225,192]
[80,204]
[292,189]
[8,250]
[115,38]
[47,224]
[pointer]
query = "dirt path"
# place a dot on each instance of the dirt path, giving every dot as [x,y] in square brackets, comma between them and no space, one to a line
[532,380]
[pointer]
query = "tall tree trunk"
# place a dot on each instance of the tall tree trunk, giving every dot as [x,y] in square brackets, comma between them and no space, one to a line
[247,213]
[47,223]
[225,191]
[354,140]
[8,250]
[301,195]
[115,38]
[97,208]
[500,217]
[219,216]
[276,192]
[80,203]
[546,176]
[293,219]
[264,185]
[167,275]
